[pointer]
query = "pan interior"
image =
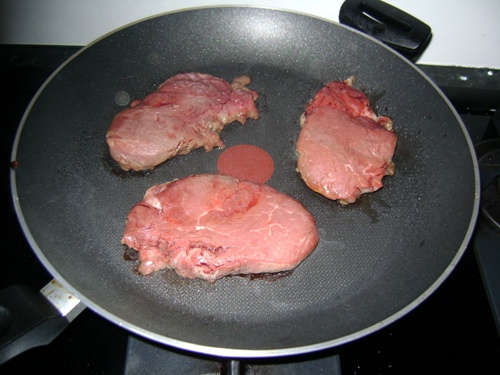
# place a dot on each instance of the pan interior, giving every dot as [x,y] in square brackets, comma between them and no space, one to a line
[375,257]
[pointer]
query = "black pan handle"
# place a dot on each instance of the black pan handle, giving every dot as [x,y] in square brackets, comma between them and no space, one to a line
[402,32]
[31,318]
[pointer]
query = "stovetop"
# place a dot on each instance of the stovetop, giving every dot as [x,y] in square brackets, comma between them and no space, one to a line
[453,331]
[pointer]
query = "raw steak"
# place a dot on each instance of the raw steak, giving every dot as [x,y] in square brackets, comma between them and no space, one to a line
[210,226]
[187,112]
[344,149]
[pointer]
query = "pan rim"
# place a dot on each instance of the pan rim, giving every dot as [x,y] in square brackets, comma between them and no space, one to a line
[228,352]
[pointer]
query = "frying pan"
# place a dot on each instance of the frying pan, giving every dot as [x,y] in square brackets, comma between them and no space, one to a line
[376,260]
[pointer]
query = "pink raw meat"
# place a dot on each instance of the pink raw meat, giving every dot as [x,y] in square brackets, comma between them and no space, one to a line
[187,112]
[210,226]
[344,148]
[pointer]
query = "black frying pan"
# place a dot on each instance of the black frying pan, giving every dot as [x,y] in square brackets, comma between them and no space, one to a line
[376,260]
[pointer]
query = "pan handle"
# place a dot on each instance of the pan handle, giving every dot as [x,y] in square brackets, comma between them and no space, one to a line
[31,318]
[402,32]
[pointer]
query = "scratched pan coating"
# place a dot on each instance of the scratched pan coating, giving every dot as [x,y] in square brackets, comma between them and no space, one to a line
[376,260]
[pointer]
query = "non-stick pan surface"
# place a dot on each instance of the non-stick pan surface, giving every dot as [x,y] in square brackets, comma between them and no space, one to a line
[376,260]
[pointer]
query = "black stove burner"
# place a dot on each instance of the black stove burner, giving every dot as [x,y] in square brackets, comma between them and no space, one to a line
[145,357]
[488,156]
[490,202]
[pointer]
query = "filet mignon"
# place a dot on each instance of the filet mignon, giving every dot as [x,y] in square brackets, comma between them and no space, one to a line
[209,226]
[344,149]
[187,112]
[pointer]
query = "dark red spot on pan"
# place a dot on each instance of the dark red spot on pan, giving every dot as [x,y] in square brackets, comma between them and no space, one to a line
[246,162]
